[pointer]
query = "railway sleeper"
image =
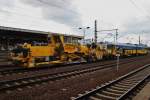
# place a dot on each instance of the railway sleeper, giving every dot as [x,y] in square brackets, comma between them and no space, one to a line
[104,97]
[7,85]
[123,86]
[16,83]
[139,76]
[94,98]
[126,84]
[32,80]
[129,82]
[136,80]
[110,93]
[118,88]
[114,90]
[24,82]
[38,79]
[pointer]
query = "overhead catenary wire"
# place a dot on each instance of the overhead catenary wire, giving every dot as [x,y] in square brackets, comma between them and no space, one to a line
[140,9]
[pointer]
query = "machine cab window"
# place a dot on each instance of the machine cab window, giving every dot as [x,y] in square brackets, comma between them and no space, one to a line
[75,40]
[67,39]
[21,52]
[71,40]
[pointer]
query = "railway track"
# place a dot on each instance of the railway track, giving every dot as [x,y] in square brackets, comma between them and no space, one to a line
[18,70]
[38,79]
[120,89]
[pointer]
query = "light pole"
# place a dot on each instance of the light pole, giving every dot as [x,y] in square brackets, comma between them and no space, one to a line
[116,43]
[84,30]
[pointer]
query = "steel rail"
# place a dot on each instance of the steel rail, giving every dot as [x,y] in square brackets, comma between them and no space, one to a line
[128,79]
[32,80]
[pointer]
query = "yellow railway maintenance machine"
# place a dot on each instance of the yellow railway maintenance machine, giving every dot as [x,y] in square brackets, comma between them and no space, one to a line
[59,49]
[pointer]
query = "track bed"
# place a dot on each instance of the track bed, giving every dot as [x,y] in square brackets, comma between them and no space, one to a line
[69,87]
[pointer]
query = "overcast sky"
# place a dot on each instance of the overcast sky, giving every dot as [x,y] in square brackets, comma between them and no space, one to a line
[131,17]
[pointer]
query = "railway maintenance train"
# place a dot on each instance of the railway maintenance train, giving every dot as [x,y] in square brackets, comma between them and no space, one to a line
[64,49]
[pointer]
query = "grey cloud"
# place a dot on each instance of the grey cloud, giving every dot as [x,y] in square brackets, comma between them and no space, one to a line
[6,3]
[136,26]
[61,11]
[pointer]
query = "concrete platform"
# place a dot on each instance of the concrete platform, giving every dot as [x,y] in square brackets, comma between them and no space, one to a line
[144,94]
